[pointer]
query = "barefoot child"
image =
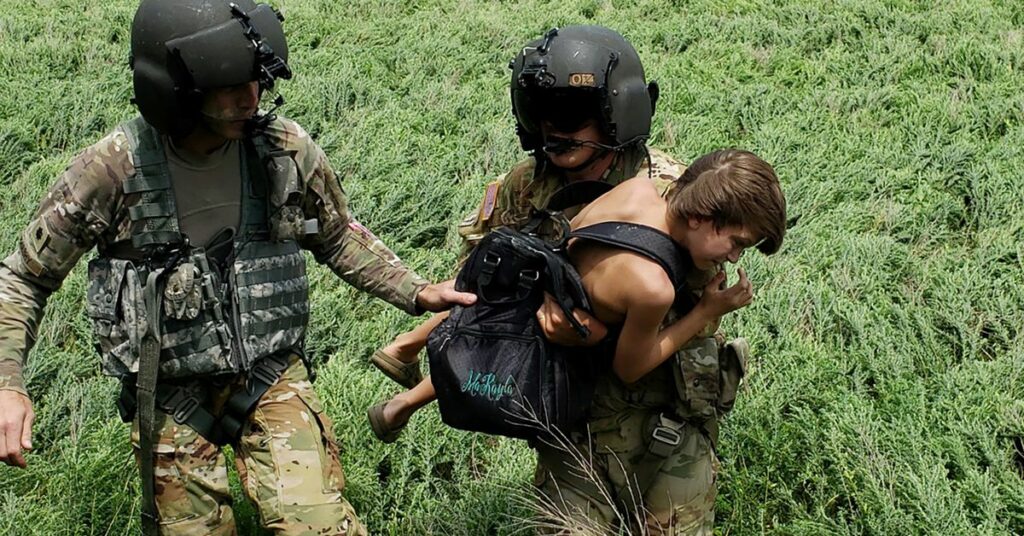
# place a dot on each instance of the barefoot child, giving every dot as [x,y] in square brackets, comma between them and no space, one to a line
[574,131]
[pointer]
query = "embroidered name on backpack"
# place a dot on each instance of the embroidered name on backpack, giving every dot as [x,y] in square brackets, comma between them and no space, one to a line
[486,386]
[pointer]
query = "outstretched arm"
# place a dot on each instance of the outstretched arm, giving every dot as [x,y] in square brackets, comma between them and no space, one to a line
[77,210]
[360,258]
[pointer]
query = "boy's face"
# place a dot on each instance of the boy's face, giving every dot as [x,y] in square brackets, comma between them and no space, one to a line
[710,246]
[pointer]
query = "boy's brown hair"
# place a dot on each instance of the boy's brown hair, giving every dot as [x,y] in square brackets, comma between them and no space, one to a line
[733,187]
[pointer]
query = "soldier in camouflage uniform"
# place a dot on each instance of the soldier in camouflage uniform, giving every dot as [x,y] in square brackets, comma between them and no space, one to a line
[661,428]
[199,297]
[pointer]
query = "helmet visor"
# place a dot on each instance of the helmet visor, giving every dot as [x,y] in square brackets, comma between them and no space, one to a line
[227,54]
[567,110]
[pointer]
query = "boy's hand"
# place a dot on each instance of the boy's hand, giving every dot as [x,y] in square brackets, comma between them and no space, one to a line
[718,301]
[559,330]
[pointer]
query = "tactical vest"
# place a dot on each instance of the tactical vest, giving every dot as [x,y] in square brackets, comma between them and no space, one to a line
[214,319]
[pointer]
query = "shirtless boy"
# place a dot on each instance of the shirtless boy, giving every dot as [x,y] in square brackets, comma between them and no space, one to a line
[725,202]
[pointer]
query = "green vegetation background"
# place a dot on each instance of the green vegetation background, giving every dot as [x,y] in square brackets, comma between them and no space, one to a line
[887,396]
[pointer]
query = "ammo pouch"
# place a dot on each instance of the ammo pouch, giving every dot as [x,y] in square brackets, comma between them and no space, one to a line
[708,374]
[119,315]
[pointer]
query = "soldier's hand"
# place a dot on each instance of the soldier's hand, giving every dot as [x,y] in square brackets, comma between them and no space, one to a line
[443,296]
[559,330]
[718,301]
[16,418]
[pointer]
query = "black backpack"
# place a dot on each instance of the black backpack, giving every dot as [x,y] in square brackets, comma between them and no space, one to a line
[491,367]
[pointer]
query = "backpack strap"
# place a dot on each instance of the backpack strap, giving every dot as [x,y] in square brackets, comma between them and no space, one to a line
[647,241]
[567,288]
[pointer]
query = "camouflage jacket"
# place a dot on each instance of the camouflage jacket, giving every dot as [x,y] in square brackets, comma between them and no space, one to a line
[86,207]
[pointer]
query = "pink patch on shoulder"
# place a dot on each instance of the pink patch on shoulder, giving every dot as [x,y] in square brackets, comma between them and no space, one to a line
[490,200]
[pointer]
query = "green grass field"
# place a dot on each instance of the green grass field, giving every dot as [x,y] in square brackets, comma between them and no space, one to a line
[887,395]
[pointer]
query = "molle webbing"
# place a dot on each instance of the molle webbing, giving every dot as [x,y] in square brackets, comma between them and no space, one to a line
[254,300]
[273,294]
[154,217]
[270,277]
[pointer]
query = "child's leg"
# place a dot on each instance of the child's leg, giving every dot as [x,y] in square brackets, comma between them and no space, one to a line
[387,419]
[399,409]
[406,346]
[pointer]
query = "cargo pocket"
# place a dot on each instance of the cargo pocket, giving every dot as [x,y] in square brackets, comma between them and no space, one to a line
[330,454]
[175,492]
[698,382]
[622,446]
[289,453]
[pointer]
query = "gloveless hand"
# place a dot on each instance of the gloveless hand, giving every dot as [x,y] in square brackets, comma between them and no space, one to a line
[717,301]
[443,296]
[16,418]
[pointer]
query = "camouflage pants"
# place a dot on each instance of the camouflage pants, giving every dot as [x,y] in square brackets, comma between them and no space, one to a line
[287,460]
[679,501]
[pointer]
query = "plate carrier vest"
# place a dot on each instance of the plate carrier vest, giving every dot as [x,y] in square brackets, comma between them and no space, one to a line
[255,306]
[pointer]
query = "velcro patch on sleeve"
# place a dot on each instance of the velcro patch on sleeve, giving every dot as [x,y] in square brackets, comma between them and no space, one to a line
[490,201]
[362,230]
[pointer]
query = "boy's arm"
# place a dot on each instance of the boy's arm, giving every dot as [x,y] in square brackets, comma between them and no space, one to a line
[638,350]
[642,347]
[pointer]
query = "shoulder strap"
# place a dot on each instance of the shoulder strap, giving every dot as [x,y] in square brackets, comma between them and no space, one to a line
[154,216]
[255,185]
[577,193]
[647,241]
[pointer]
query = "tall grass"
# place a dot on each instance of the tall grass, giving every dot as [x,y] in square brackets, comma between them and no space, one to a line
[887,394]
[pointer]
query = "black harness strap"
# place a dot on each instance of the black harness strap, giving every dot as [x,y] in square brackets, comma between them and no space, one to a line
[186,408]
[647,241]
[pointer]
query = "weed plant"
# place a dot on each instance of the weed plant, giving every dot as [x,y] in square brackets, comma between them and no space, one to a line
[887,391]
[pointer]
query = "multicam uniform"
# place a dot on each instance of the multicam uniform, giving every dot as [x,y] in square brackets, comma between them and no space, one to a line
[214,325]
[682,397]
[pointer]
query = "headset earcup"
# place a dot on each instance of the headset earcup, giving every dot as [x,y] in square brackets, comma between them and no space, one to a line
[654,91]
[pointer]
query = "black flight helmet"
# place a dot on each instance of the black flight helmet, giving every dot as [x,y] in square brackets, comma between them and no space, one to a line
[577,73]
[182,47]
